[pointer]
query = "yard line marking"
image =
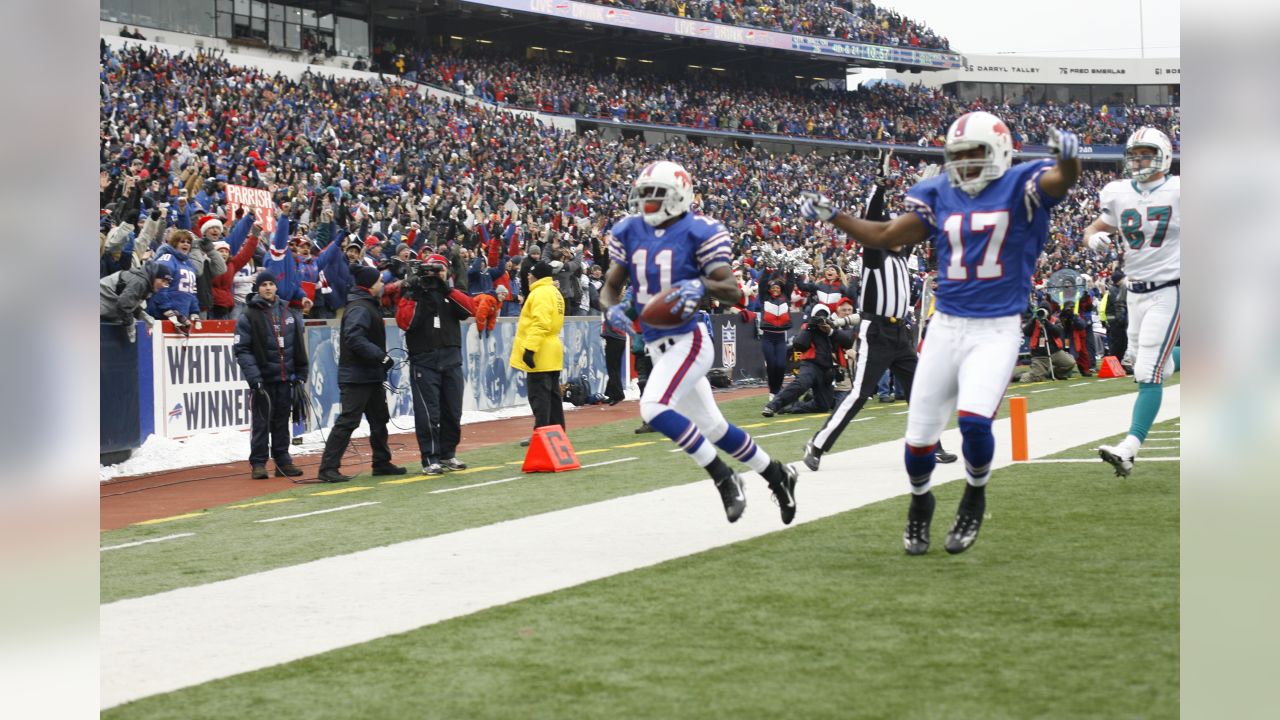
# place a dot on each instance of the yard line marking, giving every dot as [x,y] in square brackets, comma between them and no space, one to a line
[1079,384]
[171,518]
[319,512]
[1161,447]
[474,485]
[608,462]
[144,542]
[1044,390]
[904,412]
[1164,432]
[261,502]
[580,452]
[341,491]
[637,444]
[1092,460]
[517,462]
[862,419]
[791,420]
[784,432]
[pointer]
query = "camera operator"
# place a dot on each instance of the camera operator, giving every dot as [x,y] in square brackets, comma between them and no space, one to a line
[1048,360]
[820,344]
[430,312]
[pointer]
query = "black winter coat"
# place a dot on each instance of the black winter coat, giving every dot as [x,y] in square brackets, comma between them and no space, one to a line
[259,351]
[364,340]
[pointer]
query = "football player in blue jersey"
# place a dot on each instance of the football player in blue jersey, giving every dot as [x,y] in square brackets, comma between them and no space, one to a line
[662,244]
[989,221]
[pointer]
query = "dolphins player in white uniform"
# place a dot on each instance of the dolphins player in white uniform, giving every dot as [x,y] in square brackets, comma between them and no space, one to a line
[1144,216]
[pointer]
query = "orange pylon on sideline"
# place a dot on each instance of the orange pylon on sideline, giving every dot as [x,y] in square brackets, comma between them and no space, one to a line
[550,451]
[1018,427]
[1111,368]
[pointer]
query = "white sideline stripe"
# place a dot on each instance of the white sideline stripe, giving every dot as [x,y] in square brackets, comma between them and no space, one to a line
[784,432]
[1043,390]
[189,636]
[1096,461]
[319,512]
[1174,446]
[474,485]
[863,419]
[608,462]
[1164,432]
[144,542]
[904,412]
[1079,384]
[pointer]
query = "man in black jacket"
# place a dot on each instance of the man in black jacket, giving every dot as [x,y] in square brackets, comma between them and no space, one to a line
[272,354]
[430,312]
[818,342]
[363,364]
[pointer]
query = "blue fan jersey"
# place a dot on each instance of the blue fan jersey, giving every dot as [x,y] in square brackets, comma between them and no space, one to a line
[656,258]
[987,245]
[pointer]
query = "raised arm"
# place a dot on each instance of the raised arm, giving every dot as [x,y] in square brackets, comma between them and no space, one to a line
[906,229]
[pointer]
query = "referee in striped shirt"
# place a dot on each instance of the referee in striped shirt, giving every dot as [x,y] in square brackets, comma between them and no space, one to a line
[885,341]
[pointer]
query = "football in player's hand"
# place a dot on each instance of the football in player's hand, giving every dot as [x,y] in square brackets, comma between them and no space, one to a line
[663,310]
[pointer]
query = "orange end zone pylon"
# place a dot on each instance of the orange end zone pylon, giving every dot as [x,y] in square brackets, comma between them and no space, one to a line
[1018,427]
[550,451]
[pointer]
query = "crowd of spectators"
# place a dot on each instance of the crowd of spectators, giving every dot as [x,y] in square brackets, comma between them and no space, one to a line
[913,115]
[372,171]
[854,20]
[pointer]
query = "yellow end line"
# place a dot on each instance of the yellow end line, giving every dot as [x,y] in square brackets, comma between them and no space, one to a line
[637,444]
[342,491]
[157,521]
[420,478]
[754,425]
[260,502]
[581,452]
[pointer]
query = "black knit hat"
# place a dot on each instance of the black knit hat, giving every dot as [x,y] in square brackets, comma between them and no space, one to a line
[365,276]
[541,269]
[264,276]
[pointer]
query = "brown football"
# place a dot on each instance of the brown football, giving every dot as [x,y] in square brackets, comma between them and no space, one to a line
[662,311]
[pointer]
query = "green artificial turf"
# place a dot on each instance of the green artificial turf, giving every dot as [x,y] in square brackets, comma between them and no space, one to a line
[228,542]
[1067,607]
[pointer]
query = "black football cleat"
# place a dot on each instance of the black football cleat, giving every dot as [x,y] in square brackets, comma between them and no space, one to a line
[920,515]
[782,483]
[964,531]
[731,494]
[768,411]
[944,457]
[389,469]
[812,456]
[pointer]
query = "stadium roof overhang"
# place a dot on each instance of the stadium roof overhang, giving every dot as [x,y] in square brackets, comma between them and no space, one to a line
[573,26]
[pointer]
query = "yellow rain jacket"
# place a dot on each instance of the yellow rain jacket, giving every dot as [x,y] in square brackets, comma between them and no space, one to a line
[541,319]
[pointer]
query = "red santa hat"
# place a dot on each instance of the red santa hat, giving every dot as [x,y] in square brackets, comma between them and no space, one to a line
[206,223]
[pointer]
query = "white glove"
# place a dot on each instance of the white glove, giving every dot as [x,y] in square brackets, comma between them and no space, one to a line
[131,332]
[1100,242]
[815,206]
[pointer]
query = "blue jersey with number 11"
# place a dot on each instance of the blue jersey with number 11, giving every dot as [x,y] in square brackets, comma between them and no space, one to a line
[987,245]
[658,258]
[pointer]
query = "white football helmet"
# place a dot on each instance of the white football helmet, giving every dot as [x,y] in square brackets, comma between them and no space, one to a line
[663,190]
[1148,137]
[978,130]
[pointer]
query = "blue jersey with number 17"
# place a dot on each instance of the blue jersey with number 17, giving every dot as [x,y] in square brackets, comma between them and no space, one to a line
[987,245]
[658,258]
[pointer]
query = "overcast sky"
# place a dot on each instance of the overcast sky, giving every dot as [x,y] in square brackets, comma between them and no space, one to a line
[1071,28]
